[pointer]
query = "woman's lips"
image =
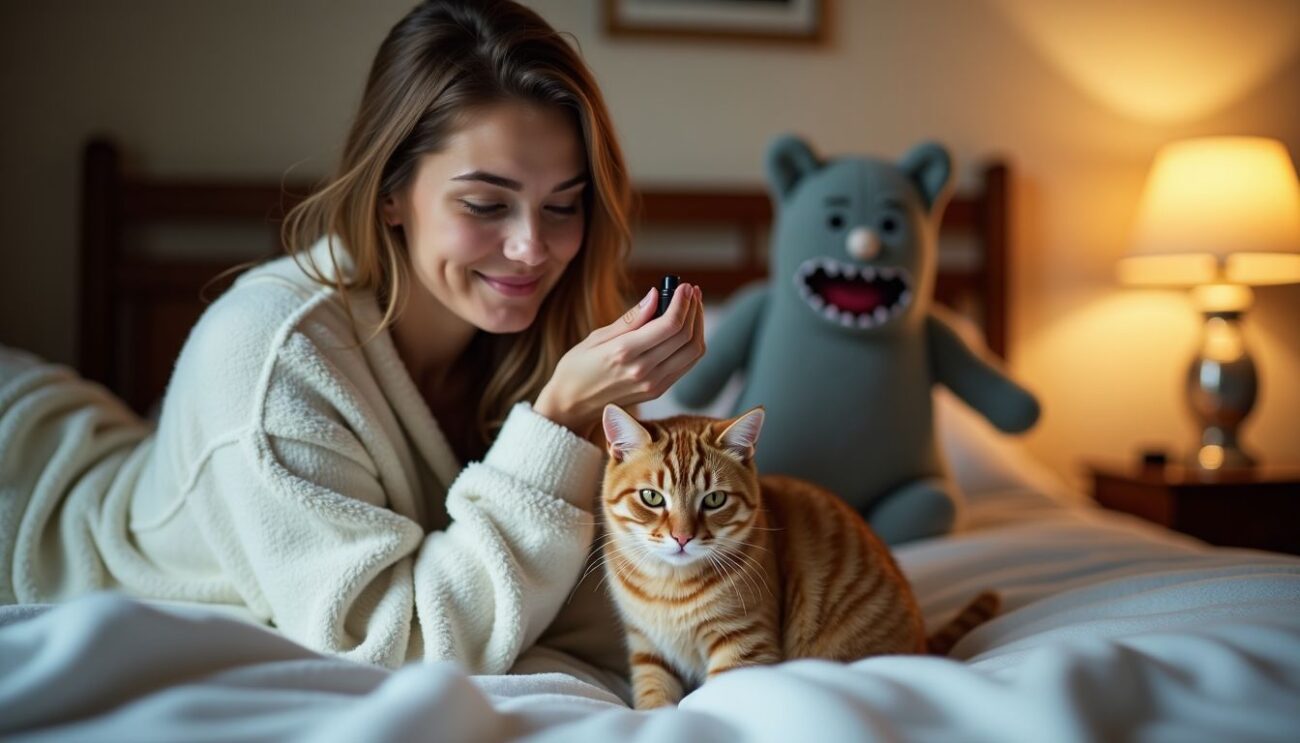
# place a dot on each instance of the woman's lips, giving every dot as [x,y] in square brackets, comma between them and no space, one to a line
[512,286]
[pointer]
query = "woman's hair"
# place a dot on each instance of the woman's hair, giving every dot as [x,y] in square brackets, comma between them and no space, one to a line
[440,64]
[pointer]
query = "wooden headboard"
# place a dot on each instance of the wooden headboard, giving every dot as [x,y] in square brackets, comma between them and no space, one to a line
[137,307]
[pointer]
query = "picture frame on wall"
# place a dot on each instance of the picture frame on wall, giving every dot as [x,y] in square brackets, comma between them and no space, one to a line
[789,21]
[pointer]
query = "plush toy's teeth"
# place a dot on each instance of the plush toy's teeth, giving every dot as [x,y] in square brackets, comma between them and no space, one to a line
[817,275]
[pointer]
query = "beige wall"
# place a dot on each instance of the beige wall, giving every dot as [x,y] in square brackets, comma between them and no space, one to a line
[1076,94]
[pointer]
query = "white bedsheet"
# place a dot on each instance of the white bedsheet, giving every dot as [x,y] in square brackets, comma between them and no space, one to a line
[1112,631]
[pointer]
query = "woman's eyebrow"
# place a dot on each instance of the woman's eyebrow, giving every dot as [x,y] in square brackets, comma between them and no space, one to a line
[566,185]
[514,185]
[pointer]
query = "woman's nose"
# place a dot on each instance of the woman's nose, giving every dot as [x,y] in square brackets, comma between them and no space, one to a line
[525,244]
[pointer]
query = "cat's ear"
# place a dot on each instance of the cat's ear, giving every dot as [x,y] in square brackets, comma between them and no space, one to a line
[741,435]
[623,432]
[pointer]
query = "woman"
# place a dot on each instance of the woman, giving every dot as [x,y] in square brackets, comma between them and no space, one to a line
[452,296]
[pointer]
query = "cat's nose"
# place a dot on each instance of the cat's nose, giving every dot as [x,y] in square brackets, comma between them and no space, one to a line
[682,539]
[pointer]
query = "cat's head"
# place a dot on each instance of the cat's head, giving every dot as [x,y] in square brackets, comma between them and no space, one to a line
[680,490]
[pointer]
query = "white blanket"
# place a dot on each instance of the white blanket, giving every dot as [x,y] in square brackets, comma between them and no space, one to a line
[1113,630]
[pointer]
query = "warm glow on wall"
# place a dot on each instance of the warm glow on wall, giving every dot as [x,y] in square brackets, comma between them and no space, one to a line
[1161,61]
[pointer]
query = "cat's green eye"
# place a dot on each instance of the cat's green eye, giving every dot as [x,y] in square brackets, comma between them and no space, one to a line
[652,498]
[715,499]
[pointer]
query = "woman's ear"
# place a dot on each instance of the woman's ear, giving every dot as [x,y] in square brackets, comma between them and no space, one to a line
[391,211]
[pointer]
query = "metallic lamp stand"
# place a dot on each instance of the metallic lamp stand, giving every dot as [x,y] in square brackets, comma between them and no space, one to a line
[1221,387]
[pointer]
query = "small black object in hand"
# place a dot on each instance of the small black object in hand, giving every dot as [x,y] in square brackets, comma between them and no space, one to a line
[667,286]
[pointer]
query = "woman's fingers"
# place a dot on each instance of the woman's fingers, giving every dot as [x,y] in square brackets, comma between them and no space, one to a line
[636,316]
[692,326]
[659,368]
[677,364]
[638,340]
[665,375]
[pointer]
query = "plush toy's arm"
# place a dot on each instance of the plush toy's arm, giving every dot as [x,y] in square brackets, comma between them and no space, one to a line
[728,349]
[977,380]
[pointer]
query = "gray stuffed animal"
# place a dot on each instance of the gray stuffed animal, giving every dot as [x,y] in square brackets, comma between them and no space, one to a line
[842,345]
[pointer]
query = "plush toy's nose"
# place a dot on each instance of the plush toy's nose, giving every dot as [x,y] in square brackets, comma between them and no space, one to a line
[863,244]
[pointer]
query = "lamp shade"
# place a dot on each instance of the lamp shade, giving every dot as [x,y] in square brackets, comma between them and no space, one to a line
[1217,209]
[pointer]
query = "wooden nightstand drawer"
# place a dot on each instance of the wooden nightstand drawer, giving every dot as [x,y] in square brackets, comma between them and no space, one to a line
[1258,508]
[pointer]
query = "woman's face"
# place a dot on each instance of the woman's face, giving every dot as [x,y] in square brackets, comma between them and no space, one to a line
[492,220]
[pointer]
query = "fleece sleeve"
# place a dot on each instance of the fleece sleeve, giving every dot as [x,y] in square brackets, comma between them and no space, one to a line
[296,514]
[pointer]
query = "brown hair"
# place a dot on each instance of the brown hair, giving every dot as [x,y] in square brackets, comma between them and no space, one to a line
[440,63]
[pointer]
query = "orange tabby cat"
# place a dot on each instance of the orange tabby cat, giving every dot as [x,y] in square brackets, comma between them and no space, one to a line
[713,567]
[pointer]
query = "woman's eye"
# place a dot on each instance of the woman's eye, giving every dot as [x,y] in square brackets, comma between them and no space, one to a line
[715,499]
[566,211]
[652,498]
[835,221]
[482,210]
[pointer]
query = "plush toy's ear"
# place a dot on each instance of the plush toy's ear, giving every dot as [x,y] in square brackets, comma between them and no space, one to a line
[789,159]
[623,433]
[929,165]
[741,435]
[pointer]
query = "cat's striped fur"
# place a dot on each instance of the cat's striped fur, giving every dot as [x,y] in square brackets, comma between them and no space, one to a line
[713,567]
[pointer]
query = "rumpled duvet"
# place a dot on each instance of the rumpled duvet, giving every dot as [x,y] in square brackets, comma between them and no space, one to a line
[1112,630]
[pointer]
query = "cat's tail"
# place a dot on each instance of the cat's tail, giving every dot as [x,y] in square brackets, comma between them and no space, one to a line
[983,608]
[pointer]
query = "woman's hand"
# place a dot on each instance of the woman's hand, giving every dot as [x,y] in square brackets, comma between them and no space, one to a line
[634,359]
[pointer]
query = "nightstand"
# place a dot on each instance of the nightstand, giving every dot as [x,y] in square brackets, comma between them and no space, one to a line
[1257,507]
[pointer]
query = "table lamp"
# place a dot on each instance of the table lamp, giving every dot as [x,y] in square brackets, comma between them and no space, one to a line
[1218,215]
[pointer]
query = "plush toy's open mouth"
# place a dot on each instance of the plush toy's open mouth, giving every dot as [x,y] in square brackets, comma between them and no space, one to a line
[854,295]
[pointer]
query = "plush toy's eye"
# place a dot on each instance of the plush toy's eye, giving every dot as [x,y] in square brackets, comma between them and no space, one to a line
[715,499]
[836,221]
[652,498]
[889,225]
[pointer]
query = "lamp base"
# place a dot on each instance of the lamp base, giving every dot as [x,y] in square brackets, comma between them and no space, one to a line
[1221,387]
[1219,452]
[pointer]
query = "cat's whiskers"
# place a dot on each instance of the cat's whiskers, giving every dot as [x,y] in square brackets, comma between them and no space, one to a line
[602,562]
[717,565]
[624,564]
[745,572]
[742,543]
[641,555]
[739,567]
[758,566]
[594,565]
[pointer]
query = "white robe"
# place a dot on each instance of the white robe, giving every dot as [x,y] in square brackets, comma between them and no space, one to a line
[299,479]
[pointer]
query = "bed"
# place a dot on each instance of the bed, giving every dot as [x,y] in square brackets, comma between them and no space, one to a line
[1113,629]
